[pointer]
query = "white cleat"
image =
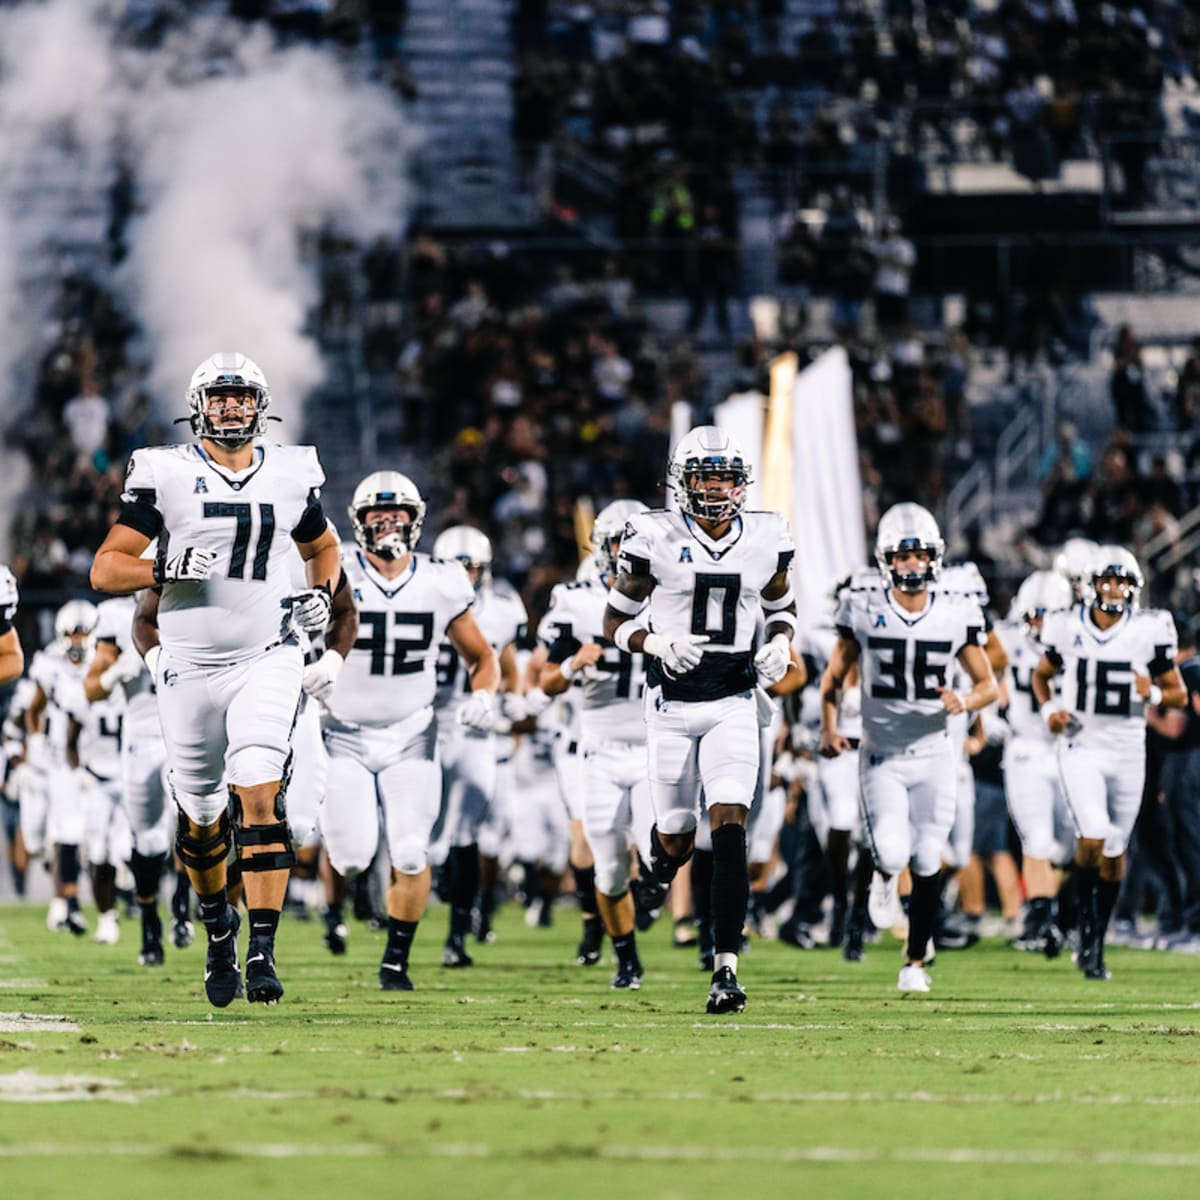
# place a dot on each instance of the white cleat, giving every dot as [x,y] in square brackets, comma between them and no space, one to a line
[56,914]
[883,901]
[108,933]
[913,978]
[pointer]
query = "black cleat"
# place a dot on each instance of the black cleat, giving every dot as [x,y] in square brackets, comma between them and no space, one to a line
[798,934]
[705,961]
[76,923]
[648,897]
[183,933]
[628,977]
[262,984]
[725,995]
[336,934]
[1096,968]
[588,952]
[394,978]
[222,975]
[454,954]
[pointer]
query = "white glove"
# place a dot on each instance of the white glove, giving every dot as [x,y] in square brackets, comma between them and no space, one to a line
[311,609]
[479,712]
[126,668]
[536,702]
[772,661]
[188,566]
[679,653]
[320,677]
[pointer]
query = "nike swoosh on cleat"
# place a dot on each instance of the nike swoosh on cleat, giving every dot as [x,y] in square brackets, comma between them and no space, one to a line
[220,937]
[257,958]
[390,967]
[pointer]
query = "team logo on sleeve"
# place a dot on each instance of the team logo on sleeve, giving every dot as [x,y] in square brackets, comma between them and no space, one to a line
[129,467]
[201,485]
[880,620]
[685,554]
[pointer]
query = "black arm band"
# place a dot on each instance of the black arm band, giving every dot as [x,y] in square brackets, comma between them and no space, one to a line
[5,625]
[341,582]
[312,523]
[142,517]
[1055,659]
[564,648]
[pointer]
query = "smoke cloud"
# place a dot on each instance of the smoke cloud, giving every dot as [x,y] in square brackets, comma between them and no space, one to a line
[237,146]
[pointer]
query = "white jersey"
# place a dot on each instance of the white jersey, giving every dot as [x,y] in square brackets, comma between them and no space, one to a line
[611,690]
[62,682]
[904,658]
[816,648]
[1024,653]
[500,614]
[100,732]
[114,624]
[706,587]
[247,518]
[1098,665]
[9,598]
[391,671]
[963,579]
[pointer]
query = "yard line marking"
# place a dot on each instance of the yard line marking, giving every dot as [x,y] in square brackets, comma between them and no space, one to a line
[23,1022]
[22,983]
[931,1155]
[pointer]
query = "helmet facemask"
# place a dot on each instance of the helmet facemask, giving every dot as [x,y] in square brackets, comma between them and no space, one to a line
[385,539]
[254,409]
[1103,600]
[707,503]
[912,583]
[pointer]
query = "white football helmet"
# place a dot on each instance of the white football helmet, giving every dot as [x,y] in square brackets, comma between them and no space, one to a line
[75,617]
[1041,593]
[469,546]
[1074,563]
[387,489]
[228,370]
[1115,562]
[709,453]
[609,527]
[909,527]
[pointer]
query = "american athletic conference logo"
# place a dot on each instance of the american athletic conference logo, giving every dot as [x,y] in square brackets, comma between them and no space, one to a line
[170,677]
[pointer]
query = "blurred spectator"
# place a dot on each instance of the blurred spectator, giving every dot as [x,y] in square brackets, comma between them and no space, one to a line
[714,265]
[1127,385]
[895,256]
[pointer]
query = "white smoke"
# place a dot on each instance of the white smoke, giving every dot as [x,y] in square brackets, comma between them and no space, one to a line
[237,146]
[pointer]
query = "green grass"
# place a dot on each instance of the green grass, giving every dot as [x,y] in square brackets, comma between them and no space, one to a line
[527,1076]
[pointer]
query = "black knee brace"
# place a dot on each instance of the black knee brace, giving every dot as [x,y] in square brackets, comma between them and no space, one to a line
[664,866]
[202,853]
[278,834]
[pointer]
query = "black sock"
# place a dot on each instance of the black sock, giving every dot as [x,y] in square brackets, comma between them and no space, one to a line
[1088,879]
[68,864]
[181,900]
[72,904]
[263,924]
[585,891]
[335,912]
[922,913]
[400,936]
[531,883]
[212,910]
[151,921]
[702,901]
[1106,899]
[625,949]
[730,888]
[147,874]
[463,862]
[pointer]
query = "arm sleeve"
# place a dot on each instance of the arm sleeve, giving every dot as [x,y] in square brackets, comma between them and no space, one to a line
[310,475]
[461,593]
[141,508]
[785,548]
[843,622]
[634,558]
[1166,645]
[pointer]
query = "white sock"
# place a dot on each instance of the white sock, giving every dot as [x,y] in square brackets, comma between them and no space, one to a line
[725,960]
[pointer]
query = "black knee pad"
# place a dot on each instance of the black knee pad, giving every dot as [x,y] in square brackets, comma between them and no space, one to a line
[202,853]
[276,834]
[147,872]
[664,866]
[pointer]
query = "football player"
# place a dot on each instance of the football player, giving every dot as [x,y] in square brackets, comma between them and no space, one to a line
[1031,783]
[227,510]
[1116,659]
[12,657]
[906,638]
[697,579]
[380,731]
[1074,563]
[55,815]
[466,742]
[117,670]
[614,803]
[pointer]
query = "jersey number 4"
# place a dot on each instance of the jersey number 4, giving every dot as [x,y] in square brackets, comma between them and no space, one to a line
[243,514]
[376,641]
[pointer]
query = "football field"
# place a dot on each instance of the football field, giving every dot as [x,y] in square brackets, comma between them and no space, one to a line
[528,1076]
